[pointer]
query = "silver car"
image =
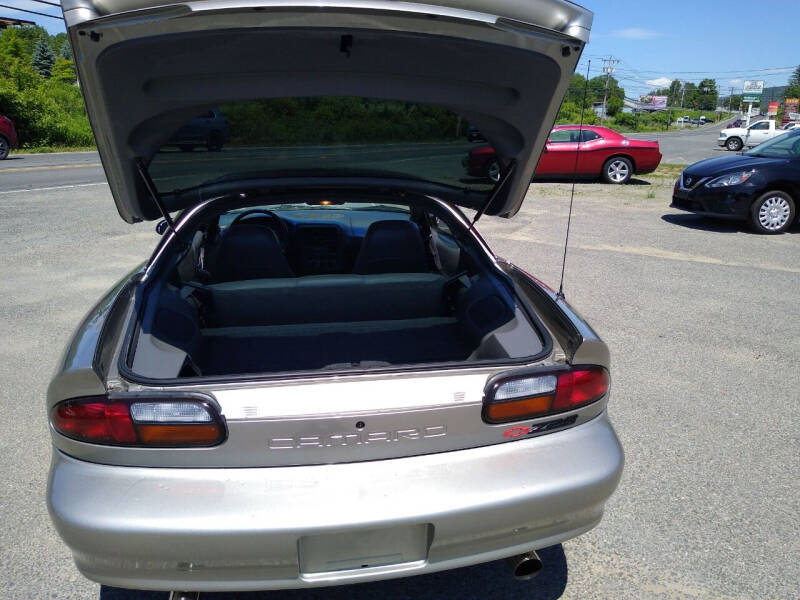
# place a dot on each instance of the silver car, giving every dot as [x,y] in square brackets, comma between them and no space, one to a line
[323,375]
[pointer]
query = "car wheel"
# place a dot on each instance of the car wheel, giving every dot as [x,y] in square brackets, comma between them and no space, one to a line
[773,212]
[617,170]
[733,144]
[5,147]
[186,147]
[493,170]
[214,143]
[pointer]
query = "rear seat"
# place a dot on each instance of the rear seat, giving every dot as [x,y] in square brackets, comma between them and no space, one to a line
[324,299]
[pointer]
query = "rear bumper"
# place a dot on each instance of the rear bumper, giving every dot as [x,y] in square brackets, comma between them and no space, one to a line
[648,164]
[240,529]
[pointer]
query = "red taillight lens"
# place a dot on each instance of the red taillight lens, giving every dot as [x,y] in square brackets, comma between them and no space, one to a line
[139,422]
[536,395]
[580,387]
[95,420]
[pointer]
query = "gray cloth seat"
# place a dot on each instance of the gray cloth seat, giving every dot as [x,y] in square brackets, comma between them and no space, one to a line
[325,299]
[392,247]
[249,251]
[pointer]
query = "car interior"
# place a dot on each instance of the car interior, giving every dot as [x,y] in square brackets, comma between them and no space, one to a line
[356,286]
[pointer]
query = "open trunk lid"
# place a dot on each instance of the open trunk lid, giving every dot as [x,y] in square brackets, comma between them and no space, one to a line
[149,69]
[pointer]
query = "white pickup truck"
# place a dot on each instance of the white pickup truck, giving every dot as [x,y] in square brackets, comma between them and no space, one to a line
[735,138]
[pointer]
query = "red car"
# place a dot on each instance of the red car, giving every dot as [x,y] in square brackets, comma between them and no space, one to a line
[8,136]
[601,152]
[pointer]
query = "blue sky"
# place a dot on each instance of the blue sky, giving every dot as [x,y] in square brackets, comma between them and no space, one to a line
[728,40]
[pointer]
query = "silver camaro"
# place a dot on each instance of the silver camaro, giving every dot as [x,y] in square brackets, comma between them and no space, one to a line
[323,375]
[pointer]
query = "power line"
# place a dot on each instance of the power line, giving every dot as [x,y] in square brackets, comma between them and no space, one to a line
[739,71]
[609,66]
[33,12]
[48,3]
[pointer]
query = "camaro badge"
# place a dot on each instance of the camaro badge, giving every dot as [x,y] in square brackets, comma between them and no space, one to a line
[357,438]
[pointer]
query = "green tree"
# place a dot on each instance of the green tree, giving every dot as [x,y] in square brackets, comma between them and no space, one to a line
[63,71]
[43,58]
[576,90]
[66,52]
[734,102]
[45,111]
[613,106]
[12,47]
[793,88]
[674,93]
[690,95]
[707,94]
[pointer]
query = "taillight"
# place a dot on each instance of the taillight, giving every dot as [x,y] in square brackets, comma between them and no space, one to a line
[154,422]
[519,397]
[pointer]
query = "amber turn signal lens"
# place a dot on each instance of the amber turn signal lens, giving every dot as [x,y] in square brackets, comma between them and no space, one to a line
[179,435]
[519,409]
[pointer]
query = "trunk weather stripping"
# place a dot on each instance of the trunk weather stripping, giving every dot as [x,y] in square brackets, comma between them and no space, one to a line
[151,189]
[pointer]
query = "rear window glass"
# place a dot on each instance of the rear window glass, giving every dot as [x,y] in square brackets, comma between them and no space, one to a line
[323,136]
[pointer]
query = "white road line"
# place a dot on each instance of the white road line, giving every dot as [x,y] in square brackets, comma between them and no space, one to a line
[57,187]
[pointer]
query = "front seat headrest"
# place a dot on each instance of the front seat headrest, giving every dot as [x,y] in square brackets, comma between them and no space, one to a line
[249,251]
[392,247]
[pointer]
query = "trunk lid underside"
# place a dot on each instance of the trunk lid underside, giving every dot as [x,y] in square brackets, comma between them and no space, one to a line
[146,71]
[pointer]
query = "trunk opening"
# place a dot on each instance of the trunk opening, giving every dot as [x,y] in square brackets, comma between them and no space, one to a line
[326,289]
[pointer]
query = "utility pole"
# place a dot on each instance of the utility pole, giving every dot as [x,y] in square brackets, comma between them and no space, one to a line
[730,100]
[683,91]
[608,69]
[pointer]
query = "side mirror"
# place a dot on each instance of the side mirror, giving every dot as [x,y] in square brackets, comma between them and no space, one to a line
[161,227]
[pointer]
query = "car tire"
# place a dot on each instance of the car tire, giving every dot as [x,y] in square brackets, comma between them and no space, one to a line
[493,170]
[733,144]
[186,147]
[5,147]
[214,142]
[617,170]
[772,213]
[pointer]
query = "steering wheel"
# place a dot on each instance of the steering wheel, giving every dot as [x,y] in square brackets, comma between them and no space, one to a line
[281,230]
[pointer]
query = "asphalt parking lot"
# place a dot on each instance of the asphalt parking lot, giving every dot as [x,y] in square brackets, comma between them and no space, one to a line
[703,322]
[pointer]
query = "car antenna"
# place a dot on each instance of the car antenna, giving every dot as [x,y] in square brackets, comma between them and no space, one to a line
[560,293]
[500,185]
[151,189]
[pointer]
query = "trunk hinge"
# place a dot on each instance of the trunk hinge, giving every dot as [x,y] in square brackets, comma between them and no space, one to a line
[151,189]
[496,192]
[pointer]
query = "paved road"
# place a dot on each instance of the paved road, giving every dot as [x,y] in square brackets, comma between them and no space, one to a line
[31,171]
[687,146]
[704,327]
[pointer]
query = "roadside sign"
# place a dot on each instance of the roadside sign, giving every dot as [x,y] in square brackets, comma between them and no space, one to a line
[791,109]
[752,86]
[653,102]
[752,99]
[772,108]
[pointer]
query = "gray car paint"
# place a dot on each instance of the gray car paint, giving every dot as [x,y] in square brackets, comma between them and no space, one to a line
[134,518]
[252,430]
[239,529]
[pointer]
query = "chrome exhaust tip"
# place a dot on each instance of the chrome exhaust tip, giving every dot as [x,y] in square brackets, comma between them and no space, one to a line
[525,566]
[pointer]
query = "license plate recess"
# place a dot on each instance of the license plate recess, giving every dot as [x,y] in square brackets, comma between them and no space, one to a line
[364,549]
